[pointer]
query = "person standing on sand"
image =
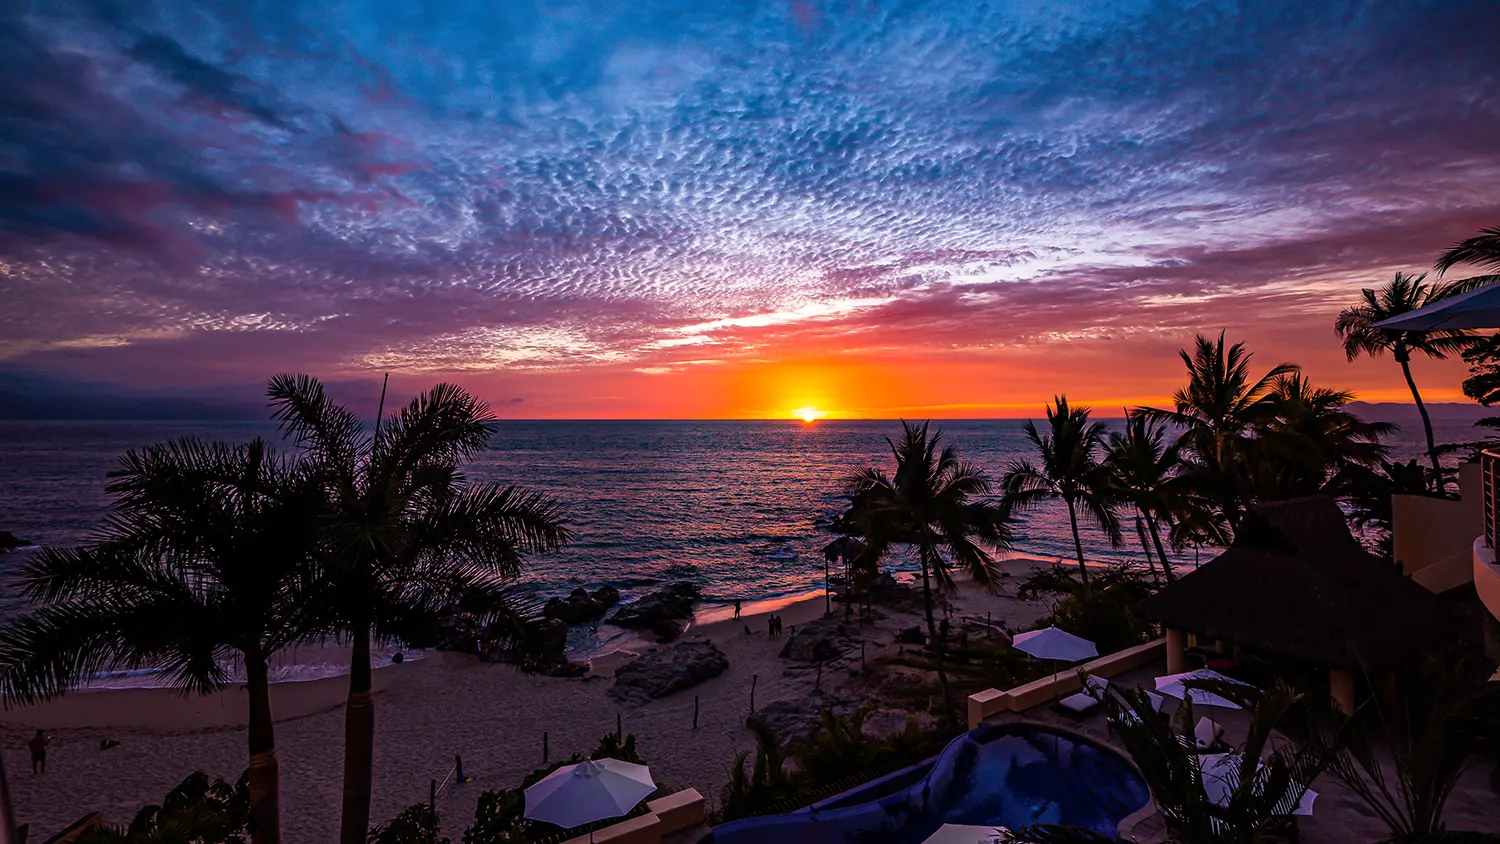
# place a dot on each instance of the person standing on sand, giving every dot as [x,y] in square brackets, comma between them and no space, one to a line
[736,607]
[38,746]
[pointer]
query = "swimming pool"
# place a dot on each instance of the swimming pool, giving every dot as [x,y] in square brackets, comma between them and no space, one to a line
[1011,775]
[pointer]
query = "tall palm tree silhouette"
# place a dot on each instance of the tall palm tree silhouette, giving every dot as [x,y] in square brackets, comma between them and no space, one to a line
[1217,411]
[209,556]
[938,506]
[1069,469]
[405,532]
[1356,327]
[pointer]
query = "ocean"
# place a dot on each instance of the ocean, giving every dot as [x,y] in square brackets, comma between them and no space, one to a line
[735,507]
[732,505]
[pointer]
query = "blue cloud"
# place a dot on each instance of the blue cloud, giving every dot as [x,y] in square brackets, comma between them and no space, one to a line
[385,172]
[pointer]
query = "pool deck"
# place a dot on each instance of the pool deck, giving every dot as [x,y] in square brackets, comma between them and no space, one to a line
[1338,816]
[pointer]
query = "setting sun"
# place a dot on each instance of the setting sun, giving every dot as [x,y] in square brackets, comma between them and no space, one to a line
[808,414]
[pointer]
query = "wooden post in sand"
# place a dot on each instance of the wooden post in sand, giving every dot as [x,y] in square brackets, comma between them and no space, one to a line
[753,679]
[695,712]
[544,747]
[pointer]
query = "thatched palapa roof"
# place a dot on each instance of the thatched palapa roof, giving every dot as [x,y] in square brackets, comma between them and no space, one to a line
[1297,584]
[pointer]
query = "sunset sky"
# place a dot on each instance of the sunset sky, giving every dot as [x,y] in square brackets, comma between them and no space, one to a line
[670,209]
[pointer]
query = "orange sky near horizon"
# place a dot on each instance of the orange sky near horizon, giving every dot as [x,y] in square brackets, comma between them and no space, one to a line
[961,384]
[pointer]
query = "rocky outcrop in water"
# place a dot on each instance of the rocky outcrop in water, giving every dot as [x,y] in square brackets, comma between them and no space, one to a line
[9,541]
[664,612]
[580,606]
[668,670]
[464,633]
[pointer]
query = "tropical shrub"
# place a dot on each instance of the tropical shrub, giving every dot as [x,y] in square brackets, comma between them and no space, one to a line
[1430,728]
[837,753]
[197,811]
[1110,622]
[417,825]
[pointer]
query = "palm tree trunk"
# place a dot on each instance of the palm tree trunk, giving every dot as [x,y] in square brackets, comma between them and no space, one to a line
[1161,552]
[1140,531]
[359,741]
[1083,570]
[937,645]
[265,782]
[1426,422]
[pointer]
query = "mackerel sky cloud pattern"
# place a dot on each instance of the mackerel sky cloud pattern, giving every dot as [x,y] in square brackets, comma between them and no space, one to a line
[616,193]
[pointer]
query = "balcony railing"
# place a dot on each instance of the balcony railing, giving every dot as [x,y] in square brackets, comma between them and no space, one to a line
[1489,466]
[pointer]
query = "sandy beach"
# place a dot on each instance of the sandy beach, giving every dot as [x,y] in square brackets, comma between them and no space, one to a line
[429,711]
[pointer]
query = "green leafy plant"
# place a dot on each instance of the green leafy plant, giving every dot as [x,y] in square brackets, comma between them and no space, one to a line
[836,756]
[1429,728]
[1111,621]
[197,811]
[418,824]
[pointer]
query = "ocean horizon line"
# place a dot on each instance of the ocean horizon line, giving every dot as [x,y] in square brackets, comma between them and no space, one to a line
[1465,409]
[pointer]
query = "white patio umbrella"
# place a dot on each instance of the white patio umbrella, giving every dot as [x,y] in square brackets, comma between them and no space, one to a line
[1054,644]
[1174,685]
[1476,309]
[957,833]
[574,795]
[1221,773]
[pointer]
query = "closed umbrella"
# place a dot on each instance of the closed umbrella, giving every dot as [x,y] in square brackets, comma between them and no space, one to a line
[1052,643]
[574,795]
[1476,309]
[1221,774]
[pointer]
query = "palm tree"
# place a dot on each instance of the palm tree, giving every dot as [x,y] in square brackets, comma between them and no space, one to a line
[1356,326]
[1143,469]
[1309,438]
[1217,411]
[208,557]
[1269,779]
[938,506]
[405,532]
[1069,470]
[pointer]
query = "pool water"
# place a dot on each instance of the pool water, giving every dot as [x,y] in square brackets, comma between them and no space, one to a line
[1012,776]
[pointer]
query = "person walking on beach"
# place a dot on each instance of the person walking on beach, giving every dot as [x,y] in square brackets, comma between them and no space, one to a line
[38,746]
[771,625]
[736,607]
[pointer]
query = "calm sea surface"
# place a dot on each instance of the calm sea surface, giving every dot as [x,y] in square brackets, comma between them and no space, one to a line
[729,505]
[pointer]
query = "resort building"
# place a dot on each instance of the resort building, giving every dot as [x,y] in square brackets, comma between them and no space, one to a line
[1297,589]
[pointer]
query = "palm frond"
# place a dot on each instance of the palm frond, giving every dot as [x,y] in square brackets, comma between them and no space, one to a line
[1482,250]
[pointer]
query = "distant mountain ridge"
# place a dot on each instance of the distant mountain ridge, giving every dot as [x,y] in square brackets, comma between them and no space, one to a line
[26,395]
[1452,412]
